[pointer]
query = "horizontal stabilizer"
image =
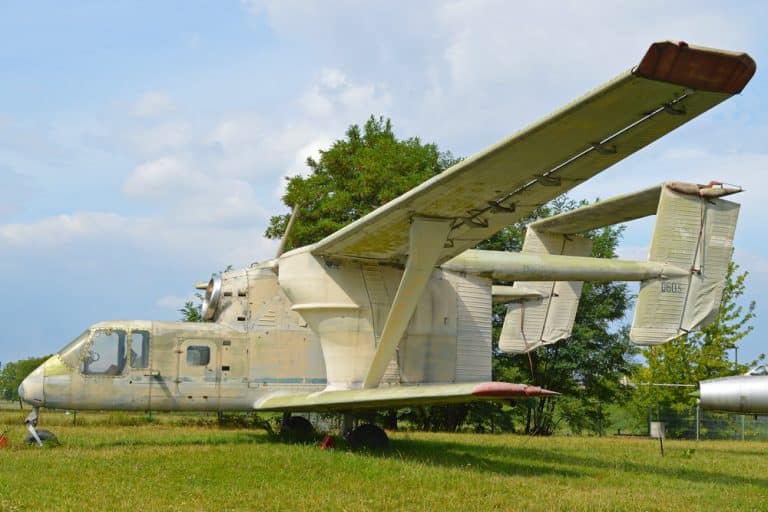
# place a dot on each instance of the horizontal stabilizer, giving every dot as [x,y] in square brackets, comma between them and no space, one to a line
[397,396]
[681,283]
[618,209]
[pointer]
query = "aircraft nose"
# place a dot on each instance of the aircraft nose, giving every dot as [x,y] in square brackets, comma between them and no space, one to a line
[31,388]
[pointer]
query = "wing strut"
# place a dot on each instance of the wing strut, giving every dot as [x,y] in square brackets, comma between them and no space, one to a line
[426,242]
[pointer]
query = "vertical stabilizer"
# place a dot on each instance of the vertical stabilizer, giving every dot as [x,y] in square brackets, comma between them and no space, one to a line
[536,321]
[693,231]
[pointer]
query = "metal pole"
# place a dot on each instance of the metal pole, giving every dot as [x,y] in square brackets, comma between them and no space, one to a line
[287,232]
[650,419]
[742,427]
[698,418]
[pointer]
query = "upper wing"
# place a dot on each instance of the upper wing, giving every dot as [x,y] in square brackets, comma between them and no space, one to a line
[397,396]
[481,195]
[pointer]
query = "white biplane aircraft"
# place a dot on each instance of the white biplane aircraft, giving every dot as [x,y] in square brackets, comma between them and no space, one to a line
[395,308]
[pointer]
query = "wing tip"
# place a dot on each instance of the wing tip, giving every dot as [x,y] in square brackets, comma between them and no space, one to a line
[697,67]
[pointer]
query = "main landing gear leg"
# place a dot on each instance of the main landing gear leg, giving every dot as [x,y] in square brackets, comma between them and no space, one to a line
[348,424]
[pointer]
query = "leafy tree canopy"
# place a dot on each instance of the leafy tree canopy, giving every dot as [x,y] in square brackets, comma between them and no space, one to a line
[192,312]
[356,175]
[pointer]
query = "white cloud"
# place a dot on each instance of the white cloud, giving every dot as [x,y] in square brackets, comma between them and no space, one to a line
[299,164]
[59,229]
[157,237]
[192,196]
[334,95]
[152,104]
[162,178]
[365,98]
[315,103]
[332,78]
[232,133]
[161,138]
[493,65]
[252,150]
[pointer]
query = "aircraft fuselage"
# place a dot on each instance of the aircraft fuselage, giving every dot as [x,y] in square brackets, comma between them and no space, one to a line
[743,394]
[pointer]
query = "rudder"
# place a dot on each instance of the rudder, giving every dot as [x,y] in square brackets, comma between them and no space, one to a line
[693,230]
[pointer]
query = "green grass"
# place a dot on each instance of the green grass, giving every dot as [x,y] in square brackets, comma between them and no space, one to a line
[172,466]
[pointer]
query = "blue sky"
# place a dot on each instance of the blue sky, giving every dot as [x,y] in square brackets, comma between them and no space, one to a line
[143,145]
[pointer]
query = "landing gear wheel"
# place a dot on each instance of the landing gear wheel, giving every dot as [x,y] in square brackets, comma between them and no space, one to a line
[46,436]
[297,429]
[369,437]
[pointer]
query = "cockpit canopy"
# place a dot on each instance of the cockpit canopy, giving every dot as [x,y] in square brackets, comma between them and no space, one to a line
[104,350]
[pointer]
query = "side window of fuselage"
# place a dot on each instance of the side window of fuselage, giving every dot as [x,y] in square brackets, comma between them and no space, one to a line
[139,349]
[198,355]
[106,353]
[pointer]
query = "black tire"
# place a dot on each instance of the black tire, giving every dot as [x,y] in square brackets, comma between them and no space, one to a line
[46,436]
[297,429]
[369,437]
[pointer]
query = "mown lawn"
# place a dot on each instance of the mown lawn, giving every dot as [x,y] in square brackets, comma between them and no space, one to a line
[169,466]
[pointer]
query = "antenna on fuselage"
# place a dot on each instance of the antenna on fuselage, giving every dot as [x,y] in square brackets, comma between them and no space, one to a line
[288,228]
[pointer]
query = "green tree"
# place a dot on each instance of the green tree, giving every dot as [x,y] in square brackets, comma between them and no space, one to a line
[192,312]
[695,357]
[355,176]
[13,373]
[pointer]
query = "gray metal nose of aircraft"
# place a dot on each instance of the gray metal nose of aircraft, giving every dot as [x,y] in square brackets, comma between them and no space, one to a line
[31,389]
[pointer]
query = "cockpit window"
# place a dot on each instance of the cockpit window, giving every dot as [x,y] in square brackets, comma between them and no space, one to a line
[71,353]
[139,349]
[106,354]
[760,370]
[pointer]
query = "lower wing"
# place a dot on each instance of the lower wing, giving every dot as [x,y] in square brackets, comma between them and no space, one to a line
[397,396]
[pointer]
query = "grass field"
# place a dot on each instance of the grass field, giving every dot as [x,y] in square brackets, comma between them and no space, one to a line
[175,466]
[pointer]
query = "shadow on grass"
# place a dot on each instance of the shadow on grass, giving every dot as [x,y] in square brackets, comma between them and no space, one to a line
[213,439]
[469,457]
[503,460]
[740,451]
[538,461]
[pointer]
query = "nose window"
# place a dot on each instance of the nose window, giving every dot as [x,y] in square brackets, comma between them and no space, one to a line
[106,354]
